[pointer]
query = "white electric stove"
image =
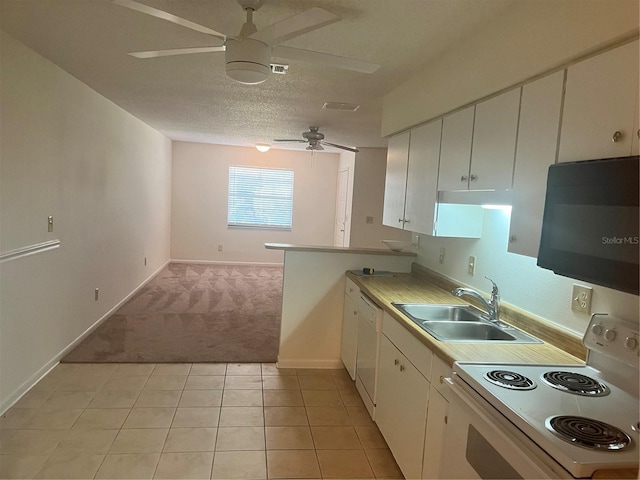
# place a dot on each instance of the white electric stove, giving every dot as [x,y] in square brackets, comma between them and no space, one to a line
[570,420]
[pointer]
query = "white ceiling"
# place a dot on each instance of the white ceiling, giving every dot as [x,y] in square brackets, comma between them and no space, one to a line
[190,98]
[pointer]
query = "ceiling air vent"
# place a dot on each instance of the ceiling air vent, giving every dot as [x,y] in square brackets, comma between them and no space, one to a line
[279,68]
[346,107]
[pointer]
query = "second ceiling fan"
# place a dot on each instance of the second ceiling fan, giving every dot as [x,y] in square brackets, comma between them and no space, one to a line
[249,55]
[315,139]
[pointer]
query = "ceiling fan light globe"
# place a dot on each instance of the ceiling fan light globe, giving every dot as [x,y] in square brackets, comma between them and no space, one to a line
[248,61]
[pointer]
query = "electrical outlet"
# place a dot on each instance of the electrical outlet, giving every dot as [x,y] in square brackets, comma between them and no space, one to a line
[471,267]
[442,252]
[369,219]
[219,248]
[581,299]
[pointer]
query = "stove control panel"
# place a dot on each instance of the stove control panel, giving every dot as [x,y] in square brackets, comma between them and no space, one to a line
[613,337]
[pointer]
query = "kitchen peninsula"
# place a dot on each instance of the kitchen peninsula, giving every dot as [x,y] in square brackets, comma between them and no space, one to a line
[313,297]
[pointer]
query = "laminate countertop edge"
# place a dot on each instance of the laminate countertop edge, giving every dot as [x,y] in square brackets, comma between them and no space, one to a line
[329,249]
[410,288]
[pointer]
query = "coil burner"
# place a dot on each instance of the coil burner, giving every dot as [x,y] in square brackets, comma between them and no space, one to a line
[588,433]
[510,380]
[575,383]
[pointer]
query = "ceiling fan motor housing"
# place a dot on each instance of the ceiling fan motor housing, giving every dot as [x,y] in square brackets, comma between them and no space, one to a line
[248,60]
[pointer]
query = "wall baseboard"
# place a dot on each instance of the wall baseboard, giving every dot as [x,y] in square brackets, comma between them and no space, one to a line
[309,363]
[219,262]
[46,368]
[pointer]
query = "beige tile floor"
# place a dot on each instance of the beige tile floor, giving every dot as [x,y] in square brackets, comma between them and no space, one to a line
[192,421]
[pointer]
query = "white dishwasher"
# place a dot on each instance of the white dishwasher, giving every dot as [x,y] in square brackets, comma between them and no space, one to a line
[369,332]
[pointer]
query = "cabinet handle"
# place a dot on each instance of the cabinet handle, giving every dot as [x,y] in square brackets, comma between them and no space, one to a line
[617,136]
[638,133]
[396,361]
[355,312]
[446,419]
[402,368]
[407,221]
[400,220]
[512,239]
[441,379]
[473,178]
[464,178]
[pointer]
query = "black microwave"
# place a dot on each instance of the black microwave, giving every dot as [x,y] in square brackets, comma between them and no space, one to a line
[590,222]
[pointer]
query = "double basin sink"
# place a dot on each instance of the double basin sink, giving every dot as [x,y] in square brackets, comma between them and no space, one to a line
[461,323]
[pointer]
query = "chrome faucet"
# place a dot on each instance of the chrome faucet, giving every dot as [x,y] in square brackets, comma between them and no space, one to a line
[492,307]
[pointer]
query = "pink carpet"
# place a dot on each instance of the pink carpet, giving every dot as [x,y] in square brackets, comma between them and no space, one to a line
[194,313]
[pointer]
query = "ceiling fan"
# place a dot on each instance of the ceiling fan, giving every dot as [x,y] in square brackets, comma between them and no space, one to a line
[315,139]
[248,55]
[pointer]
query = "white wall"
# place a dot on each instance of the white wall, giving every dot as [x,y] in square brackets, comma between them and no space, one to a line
[199,209]
[105,177]
[311,327]
[368,201]
[532,37]
[521,281]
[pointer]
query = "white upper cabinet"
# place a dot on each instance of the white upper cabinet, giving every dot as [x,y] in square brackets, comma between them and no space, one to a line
[410,195]
[422,178]
[494,142]
[396,180]
[478,145]
[601,101]
[536,150]
[455,155]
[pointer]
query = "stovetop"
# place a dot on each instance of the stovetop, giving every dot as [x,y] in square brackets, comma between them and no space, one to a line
[610,399]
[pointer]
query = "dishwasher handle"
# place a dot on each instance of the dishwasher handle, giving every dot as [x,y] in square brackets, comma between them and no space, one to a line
[369,310]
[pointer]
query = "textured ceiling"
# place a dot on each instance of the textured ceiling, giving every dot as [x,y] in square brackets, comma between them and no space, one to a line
[190,98]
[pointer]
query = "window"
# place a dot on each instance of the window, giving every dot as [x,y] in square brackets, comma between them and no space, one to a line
[260,197]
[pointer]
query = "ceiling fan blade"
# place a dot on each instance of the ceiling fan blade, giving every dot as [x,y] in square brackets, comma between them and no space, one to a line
[176,51]
[324,59]
[289,140]
[154,12]
[354,150]
[304,22]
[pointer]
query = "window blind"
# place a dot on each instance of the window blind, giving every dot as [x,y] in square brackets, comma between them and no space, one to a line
[260,197]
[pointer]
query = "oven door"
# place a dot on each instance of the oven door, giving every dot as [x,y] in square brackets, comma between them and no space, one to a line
[481,443]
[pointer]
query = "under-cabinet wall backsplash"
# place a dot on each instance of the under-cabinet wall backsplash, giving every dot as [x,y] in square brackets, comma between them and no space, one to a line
[522,283]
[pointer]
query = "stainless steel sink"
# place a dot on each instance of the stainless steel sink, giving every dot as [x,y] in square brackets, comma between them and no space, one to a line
[438,313]
[469,331]
[461,323]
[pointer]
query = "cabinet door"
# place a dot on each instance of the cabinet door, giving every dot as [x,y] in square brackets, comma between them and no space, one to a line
[599,101]
[434,438]
[494,142]
[401,408]
[536,150]
[422,178]
[396,180]
[455,154]
[348,350]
